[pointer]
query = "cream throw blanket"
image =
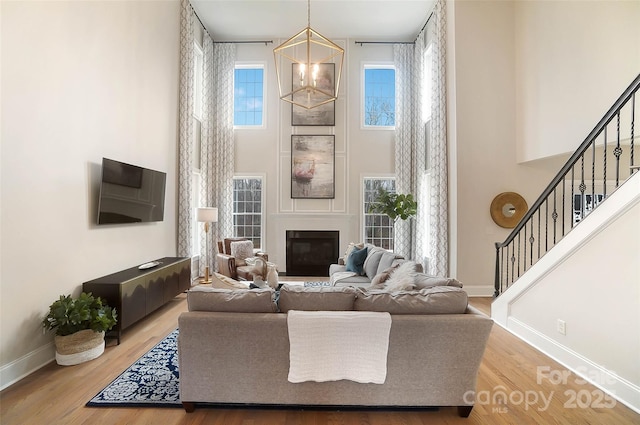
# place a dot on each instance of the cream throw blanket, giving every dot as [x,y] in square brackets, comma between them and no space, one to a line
[335,345]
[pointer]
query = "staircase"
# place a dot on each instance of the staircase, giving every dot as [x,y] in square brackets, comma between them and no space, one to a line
[602,163]
[567,278]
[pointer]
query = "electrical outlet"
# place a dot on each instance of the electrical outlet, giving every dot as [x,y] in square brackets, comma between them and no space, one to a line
[562,327]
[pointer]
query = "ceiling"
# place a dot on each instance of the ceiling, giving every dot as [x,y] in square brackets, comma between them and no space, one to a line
[367,20]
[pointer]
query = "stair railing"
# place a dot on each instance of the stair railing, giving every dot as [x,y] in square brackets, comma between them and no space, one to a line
[579,187]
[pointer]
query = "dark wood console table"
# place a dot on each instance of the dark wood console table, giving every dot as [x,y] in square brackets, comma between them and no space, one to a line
[136,293]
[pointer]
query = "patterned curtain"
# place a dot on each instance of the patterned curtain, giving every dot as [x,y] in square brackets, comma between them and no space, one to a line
[409,235]
[439,200]
[217,151]
[185,209]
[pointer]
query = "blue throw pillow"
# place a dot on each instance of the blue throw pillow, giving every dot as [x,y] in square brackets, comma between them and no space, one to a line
[356,260]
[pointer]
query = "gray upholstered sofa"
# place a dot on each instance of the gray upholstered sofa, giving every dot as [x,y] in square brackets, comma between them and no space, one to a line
[376,261]
[234,348]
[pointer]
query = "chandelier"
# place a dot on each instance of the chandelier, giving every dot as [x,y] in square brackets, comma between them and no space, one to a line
[316,67]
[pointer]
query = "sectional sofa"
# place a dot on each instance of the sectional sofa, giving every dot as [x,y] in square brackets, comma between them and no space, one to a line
[236,348]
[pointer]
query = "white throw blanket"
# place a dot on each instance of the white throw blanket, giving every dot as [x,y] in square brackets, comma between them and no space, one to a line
[335,345]
[338,276]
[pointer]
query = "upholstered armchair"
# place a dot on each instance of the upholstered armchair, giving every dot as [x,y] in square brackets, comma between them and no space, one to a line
[232,258]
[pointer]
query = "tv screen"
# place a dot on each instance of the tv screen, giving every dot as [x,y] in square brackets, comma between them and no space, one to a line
[130,194]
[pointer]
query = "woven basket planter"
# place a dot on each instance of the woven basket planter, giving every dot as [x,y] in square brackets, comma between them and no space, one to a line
[79,347]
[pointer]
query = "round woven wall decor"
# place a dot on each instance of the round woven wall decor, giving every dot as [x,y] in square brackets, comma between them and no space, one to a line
[507,209]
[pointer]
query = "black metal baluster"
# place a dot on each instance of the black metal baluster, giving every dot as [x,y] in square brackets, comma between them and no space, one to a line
[546,225]
[604,177]
[525,248]
[583,188]
[618,151]
[539,240]
[532,240]
[554,215]
[573,197]
[564,195]
[633,117]
[519,254]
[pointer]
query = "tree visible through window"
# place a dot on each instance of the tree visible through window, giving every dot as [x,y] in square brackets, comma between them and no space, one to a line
[379,97]
[247,209]
[248,96]
[378,228]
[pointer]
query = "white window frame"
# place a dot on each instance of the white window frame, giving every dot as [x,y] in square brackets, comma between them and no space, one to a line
[253,65]
[364,213]
[263,179]
[373,65]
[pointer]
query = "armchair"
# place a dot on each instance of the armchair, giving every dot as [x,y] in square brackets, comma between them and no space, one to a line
[236,266]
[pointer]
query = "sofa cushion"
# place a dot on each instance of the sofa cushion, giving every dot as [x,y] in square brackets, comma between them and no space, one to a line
[371,263]
[203,298]
[436,300]
[423,281]
[326,298]
[355,261]
[387,260]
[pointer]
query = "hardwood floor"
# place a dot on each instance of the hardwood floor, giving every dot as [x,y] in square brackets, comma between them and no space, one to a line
[57,394]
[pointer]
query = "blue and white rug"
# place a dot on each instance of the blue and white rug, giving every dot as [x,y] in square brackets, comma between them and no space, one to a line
[316,284]
[152,381]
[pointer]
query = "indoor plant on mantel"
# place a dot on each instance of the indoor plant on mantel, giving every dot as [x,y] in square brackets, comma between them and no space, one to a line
[80,324]
[394,205]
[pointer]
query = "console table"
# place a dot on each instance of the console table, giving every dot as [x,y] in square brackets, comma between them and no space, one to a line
[136,293]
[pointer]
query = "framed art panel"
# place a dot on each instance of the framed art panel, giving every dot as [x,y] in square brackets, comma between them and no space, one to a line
[313,167]
[320,115]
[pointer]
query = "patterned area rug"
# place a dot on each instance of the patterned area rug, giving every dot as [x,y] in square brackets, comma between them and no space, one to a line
[316,284]
[152,381]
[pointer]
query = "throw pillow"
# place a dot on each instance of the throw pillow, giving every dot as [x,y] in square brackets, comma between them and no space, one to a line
[378,280]
[370,266]
[403,278]
[355,261]
[425,281]
[242,249]
[350,248]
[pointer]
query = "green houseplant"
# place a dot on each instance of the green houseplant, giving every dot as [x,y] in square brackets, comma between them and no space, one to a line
[395,205]
[80,324]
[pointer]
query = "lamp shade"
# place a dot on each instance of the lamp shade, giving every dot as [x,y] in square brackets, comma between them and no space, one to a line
[207,215]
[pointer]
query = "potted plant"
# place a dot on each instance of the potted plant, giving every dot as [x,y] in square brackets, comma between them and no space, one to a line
[80,324]
[395,205]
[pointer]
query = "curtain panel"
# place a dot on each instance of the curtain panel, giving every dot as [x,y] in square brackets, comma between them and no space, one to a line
[437,151]
[185,148]
[410,147]
[217,145]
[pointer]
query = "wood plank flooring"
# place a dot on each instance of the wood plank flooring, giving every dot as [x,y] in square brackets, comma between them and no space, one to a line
[57,394]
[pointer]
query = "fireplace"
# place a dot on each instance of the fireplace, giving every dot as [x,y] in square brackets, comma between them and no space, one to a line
[310,252]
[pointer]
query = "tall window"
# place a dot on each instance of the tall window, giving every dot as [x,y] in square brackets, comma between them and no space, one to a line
[247,209]
[379,96]
[248,101]
[378,228]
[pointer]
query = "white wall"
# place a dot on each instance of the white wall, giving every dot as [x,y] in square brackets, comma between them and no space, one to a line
[483,139]
[573,60]
[358,153]
[80,80]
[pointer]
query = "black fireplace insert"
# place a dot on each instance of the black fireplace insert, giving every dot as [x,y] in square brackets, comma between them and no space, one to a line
[311,252]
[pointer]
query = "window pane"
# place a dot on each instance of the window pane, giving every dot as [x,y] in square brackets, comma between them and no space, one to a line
[378,227]
[248,96]
[379,97]
[247,211]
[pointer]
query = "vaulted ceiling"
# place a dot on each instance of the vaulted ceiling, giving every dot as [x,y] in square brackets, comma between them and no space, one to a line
[370,20]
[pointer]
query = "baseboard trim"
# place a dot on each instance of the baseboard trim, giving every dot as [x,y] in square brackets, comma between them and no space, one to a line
[479,290]
[619,388]
[16,370]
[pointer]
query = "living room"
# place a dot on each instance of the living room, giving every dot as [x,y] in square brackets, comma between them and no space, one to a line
[87,80]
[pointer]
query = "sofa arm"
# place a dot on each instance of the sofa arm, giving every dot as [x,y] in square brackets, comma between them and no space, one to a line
[226,265]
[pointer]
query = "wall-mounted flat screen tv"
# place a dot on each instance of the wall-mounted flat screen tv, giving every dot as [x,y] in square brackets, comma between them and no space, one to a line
[130,194]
